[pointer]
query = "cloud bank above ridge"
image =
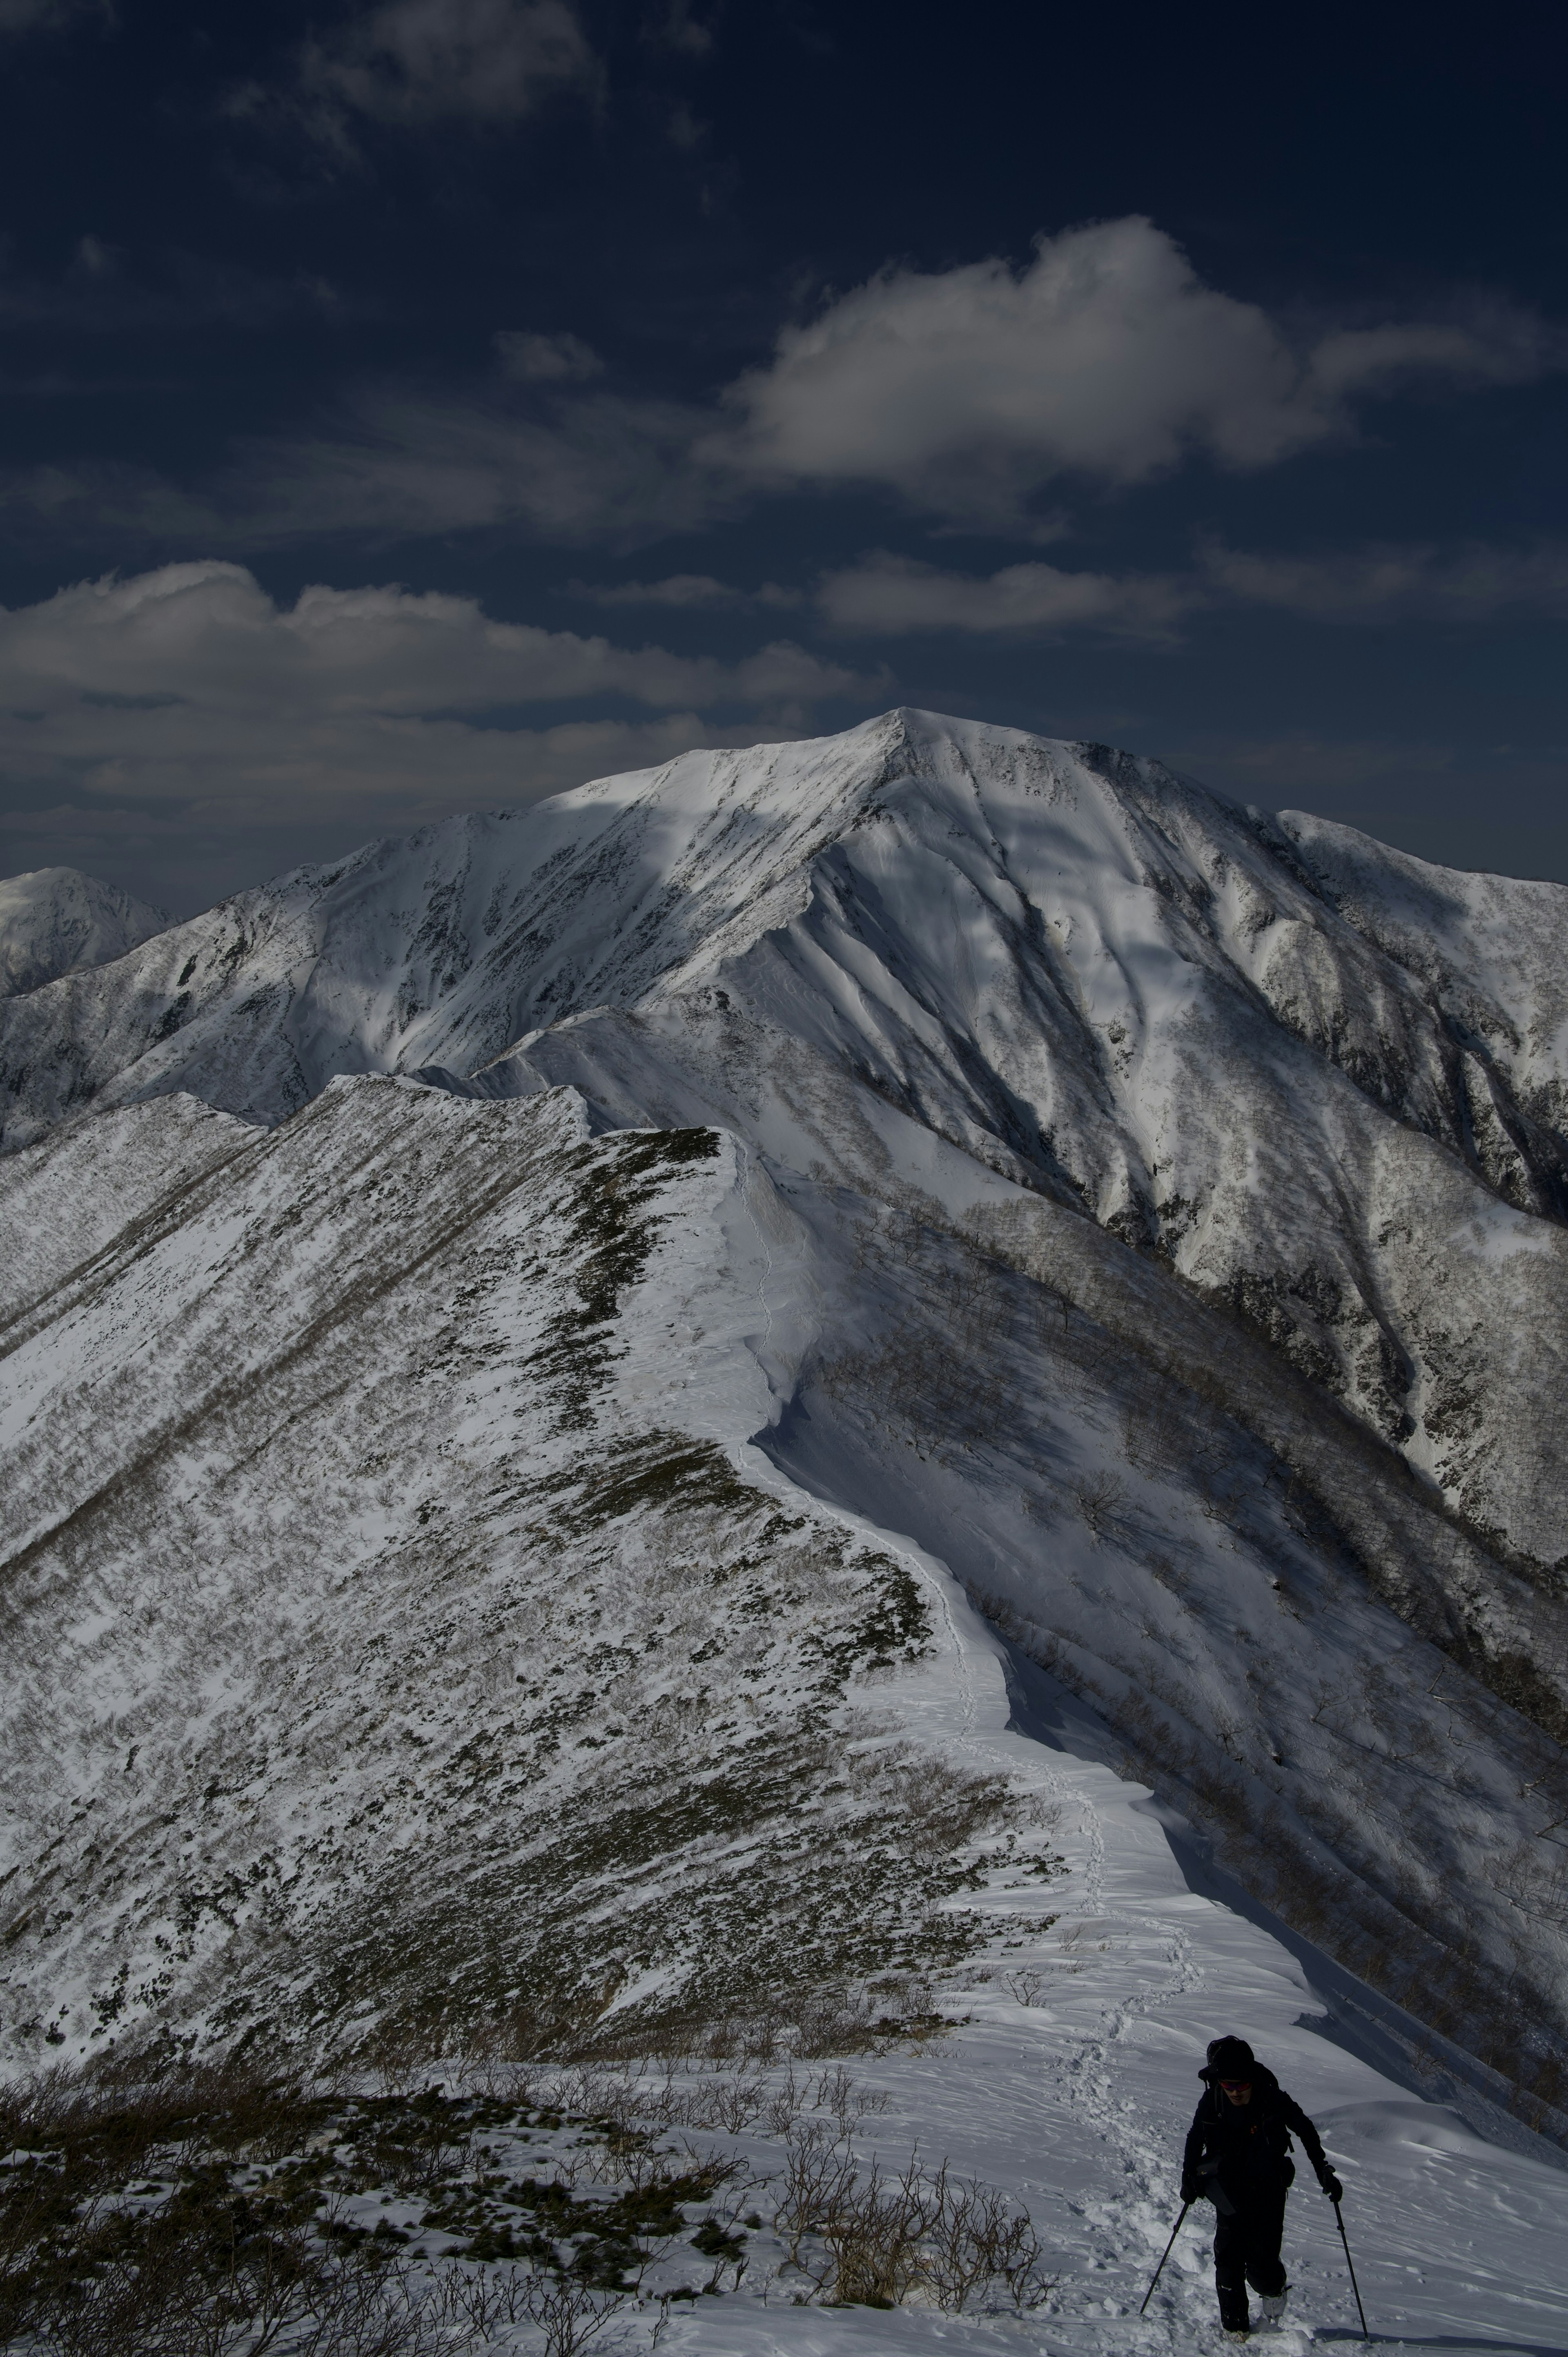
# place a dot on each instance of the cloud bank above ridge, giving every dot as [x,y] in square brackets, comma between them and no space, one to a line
[186,701]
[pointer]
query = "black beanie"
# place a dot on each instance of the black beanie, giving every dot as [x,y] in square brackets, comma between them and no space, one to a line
[1228,2058]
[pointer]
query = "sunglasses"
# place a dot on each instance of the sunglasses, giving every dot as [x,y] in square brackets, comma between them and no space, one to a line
[1235,2086]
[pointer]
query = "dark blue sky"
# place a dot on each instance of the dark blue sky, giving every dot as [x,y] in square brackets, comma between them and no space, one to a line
[618,376]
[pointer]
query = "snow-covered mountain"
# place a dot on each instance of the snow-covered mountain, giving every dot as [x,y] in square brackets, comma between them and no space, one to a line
[1321,1080]
[508,1337]
[57,920]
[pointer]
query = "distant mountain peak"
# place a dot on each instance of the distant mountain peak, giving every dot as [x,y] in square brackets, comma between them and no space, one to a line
[56,921]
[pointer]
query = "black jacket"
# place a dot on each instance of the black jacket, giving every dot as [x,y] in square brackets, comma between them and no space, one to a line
[1244,2148]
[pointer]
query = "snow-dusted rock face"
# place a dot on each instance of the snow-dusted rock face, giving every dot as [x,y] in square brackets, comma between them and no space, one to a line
[1150,1211]
[57,920]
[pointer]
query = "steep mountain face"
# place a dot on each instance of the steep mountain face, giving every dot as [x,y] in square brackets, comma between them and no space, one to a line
[1150,1211]
[57,920]
[1322,1082]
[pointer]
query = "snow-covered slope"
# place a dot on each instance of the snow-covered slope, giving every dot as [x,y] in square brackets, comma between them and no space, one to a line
[406,1642]
[57,920]
[478,1548]
[1328,1093]
[360,1583]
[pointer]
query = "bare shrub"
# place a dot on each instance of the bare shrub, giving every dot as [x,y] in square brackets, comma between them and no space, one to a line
[881,2236]
[1099,1498]
[820,2176]
[975,2241]
[170,2295]
[569,2316]
[835,2093]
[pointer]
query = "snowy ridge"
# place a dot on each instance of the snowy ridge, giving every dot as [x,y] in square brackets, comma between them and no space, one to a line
[879,1261]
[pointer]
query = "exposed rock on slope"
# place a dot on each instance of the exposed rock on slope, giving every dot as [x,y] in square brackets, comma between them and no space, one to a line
[56,921]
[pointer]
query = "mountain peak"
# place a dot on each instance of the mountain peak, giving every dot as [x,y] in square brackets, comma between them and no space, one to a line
[56,921]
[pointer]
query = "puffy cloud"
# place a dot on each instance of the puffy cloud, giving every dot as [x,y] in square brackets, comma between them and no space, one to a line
[967,390]
[190,684]
[429,60]
[966,393]
[547,359]
[892,594]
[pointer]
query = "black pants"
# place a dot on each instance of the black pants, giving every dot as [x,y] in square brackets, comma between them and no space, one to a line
[1247,2251]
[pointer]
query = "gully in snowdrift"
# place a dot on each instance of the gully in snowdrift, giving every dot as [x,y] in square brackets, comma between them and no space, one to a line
[1237,2157]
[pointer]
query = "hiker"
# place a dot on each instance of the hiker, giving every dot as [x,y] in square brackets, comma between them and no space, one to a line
[1236,2156]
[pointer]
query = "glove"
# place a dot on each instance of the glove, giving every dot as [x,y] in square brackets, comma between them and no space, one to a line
[1332,2186]
[1191,2186]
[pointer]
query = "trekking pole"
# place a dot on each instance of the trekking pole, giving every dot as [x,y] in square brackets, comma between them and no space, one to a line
[1170,2246]
[1351,2264]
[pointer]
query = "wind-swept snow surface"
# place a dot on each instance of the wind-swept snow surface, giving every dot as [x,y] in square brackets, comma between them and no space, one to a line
[554,1377]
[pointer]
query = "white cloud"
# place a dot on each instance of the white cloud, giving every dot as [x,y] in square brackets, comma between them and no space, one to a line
[429,60]
[190,684]
[894,595]
[967,390]
[547,359]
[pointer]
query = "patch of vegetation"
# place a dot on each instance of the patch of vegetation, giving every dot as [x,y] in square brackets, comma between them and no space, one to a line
[220,2211]
[613,1185]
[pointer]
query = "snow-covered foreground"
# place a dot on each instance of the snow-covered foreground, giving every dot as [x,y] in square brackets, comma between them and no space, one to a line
[1071,2085]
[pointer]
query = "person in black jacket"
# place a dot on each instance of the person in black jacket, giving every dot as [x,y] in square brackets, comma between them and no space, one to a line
[1238,2156]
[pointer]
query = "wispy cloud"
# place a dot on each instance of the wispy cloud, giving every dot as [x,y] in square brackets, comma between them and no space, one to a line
[50,16]
[692,592]
[547,359]
[1394,584]
[890,595]
[438,60]
[421,64]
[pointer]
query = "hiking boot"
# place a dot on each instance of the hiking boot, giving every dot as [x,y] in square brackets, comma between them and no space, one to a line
[1273,2304]
[1238,2332]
